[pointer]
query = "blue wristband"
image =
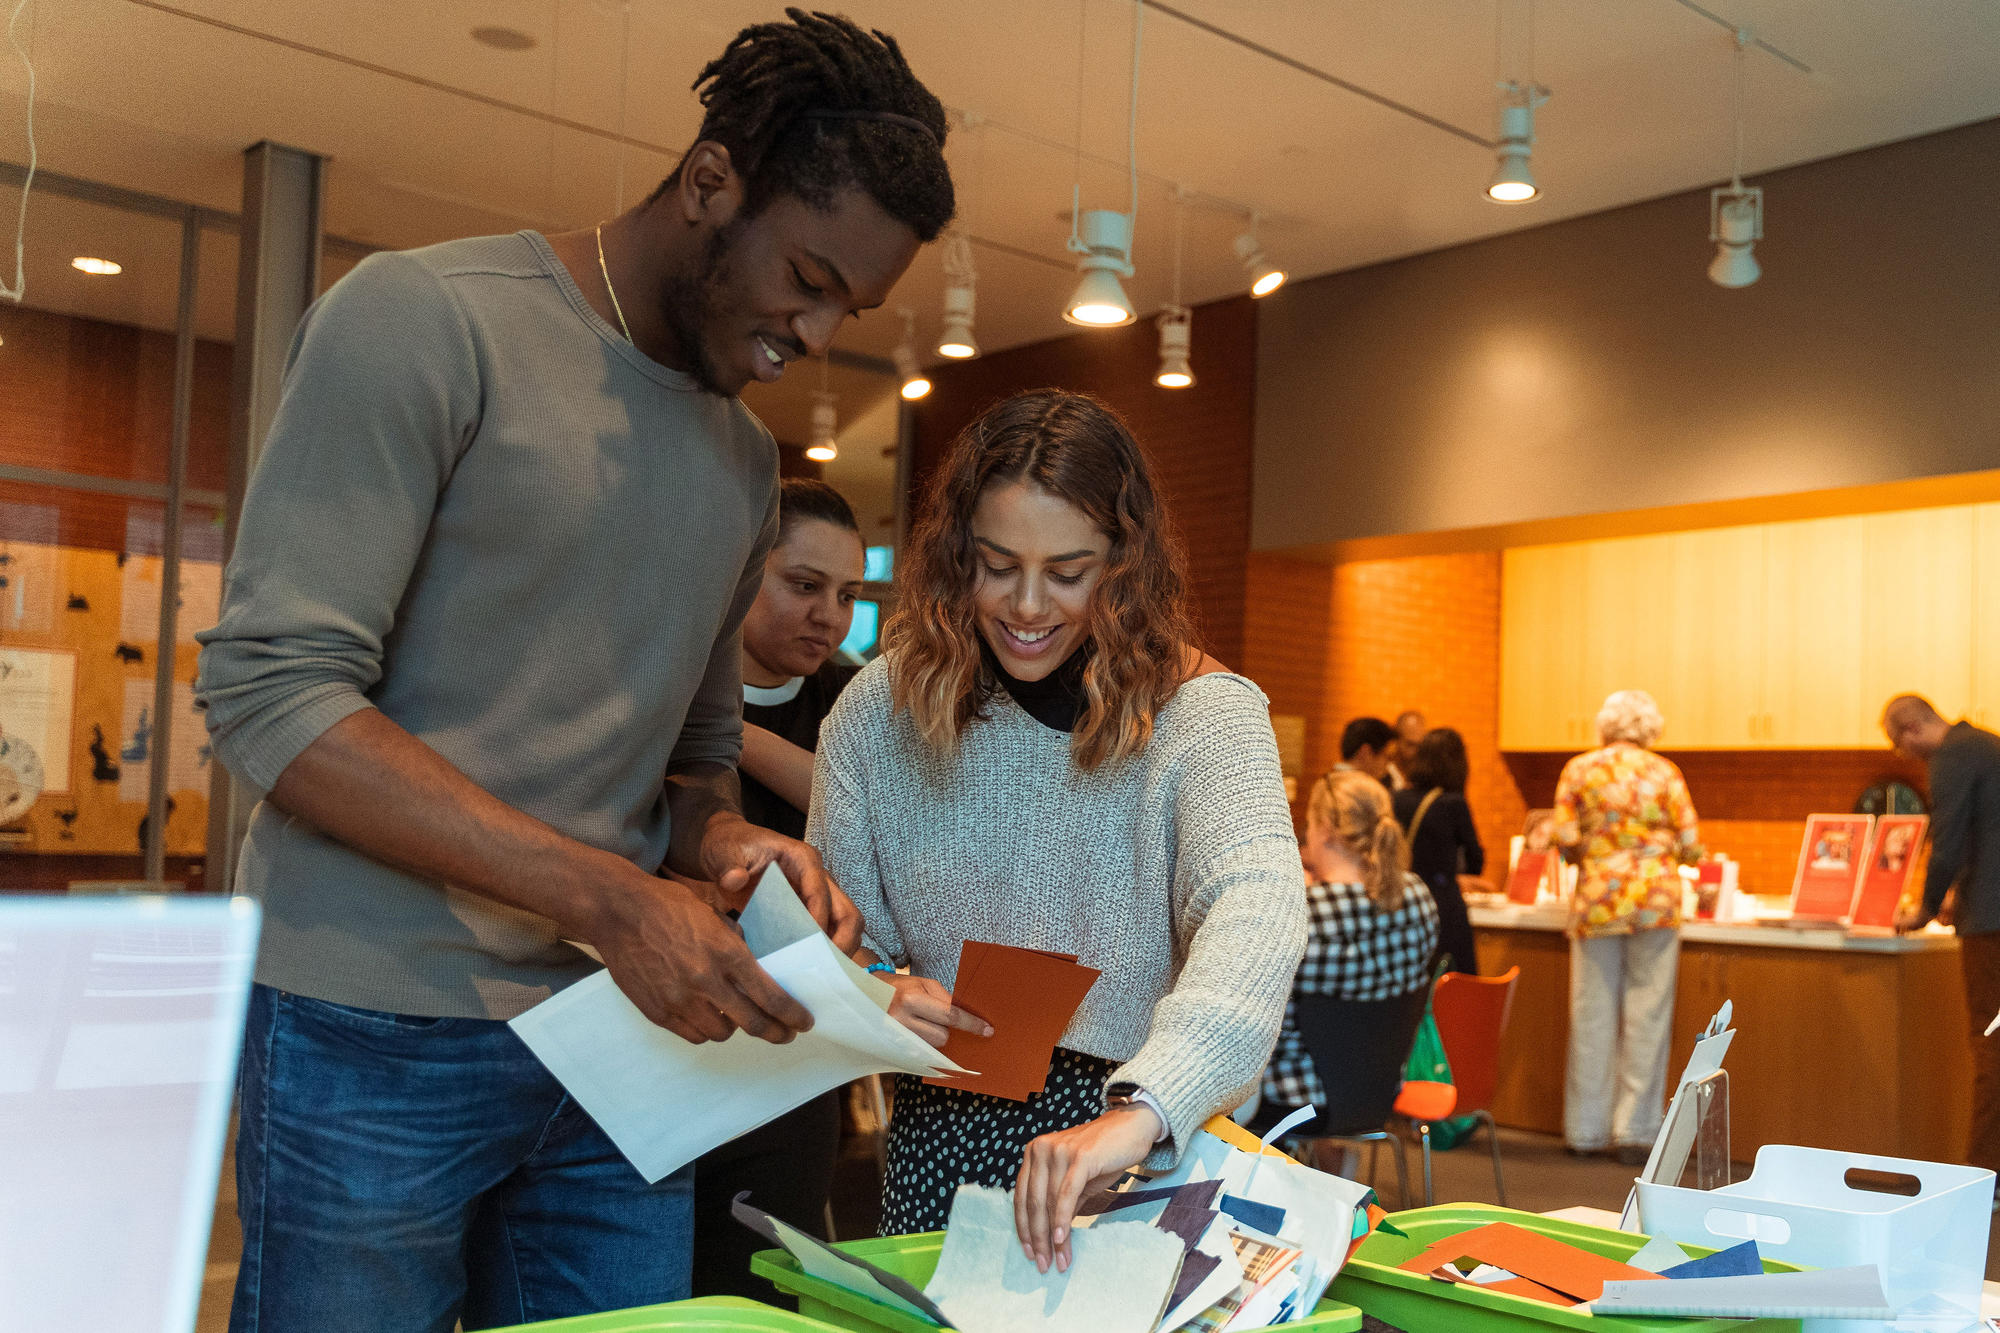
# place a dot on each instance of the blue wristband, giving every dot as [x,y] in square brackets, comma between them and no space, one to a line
[880,966]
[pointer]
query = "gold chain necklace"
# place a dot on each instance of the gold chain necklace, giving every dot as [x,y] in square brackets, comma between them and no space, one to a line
[611,291]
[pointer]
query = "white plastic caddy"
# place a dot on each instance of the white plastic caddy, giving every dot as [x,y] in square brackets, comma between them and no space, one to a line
[1823,1209]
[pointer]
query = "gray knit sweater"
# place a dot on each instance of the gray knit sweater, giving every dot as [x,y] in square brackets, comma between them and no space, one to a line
[1175,872]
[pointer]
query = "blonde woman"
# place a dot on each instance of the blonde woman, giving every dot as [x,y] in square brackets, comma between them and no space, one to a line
[1371,924]
[1043,757]
[1624,816]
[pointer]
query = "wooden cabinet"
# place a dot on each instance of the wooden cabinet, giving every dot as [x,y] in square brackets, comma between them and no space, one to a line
[1541,664]
[1782,635]
[1714,695]
[1916,611]
[1627,623]
[1985,709]
[1812,635]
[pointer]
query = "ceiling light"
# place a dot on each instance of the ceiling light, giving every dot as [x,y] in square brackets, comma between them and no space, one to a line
[1101,238]
[1105,254]
[1265,277]
[915,384]
[1513,182]
[101,267]
[1736,211]
[1735,224]
[825,421]
[503,39]
[955,337]
[1175,373]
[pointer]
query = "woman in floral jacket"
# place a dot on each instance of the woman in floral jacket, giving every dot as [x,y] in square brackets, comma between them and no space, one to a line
[1624,815]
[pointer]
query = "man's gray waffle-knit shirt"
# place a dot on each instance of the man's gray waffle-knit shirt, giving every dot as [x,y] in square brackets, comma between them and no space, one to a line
[485,513]
[1175,873]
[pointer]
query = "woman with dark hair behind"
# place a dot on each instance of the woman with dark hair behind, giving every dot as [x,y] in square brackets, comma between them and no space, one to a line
[1444,844]
[803,610]
[1044,757]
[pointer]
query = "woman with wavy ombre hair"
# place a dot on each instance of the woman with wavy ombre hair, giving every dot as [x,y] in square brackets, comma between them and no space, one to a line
[1045,758]
[1131,649]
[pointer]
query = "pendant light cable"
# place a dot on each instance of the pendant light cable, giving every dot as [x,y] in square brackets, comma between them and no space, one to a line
[1736,109]
[1132,113]
[20,286]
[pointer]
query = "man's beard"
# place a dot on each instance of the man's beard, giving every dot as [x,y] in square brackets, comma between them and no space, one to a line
[688,302]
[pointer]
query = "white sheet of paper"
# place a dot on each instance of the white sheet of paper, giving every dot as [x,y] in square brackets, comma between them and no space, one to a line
[1120,1275]
[665,1101]
[1829,1293]
[816,1261]
[1319,1207]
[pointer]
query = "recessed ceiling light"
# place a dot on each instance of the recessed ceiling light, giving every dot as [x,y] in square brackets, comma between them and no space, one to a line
[101,267]
[503,39]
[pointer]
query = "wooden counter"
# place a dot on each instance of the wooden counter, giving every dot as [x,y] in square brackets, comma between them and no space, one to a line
[1854,1044]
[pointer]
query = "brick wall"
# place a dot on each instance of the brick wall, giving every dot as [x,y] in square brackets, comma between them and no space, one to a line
[1376,637]
[1199,438]
[1287,620]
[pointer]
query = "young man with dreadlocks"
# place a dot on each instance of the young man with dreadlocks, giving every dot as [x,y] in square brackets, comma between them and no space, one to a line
[486,593]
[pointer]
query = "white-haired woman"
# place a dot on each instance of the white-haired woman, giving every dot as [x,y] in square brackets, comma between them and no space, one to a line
[1624,816]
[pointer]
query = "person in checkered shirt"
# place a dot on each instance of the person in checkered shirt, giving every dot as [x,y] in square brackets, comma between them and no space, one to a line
[1371,924]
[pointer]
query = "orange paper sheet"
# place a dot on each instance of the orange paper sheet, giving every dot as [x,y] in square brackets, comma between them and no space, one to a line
[1029,996]
[1577,1275]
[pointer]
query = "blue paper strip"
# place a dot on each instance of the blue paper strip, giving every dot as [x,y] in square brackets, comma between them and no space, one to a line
[1265,1217]
[1736,1261]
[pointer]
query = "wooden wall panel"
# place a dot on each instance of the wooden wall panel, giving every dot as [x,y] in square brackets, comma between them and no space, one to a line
[1199,439]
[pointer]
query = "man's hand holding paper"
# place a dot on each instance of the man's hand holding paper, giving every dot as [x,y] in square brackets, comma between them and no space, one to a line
[665,1100]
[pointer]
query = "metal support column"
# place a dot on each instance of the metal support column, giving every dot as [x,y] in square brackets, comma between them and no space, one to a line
[170,557]
[277,277]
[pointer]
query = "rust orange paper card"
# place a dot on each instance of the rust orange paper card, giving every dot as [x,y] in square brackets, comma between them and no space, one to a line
[1574,1273]
[1029,996]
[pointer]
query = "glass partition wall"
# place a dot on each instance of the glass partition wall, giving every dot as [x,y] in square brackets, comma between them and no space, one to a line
[114,421]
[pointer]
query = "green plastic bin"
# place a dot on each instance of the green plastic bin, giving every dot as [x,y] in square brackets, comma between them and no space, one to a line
[1420,1304]
[705,1312]
[914,1259]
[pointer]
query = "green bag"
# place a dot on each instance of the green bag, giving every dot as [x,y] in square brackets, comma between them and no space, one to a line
[1428,1064]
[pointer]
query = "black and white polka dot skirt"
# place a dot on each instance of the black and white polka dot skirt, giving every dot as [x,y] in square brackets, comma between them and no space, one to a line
[941,1138]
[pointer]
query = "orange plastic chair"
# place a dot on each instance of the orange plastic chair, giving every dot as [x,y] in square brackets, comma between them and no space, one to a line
[1471,1014]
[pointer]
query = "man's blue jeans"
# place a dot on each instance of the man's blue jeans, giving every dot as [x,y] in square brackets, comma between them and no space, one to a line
[400,1173]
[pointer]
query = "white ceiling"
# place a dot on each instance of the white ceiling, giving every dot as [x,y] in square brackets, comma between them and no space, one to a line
[432,135]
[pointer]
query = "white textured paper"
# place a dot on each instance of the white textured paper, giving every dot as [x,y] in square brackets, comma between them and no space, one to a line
[37,705]
[1119,1278]
[665,1101]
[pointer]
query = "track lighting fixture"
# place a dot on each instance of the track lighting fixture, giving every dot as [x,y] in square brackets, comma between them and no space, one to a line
[1513,181]
[955,337]
[1105,255]
[1176,321]
[1265,277]
[915,384]
[825,421]
[1736,211]
[1101,238]
[1175,326]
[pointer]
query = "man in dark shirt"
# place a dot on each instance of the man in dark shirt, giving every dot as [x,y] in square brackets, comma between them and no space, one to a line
[1368,744]
[1964,763]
